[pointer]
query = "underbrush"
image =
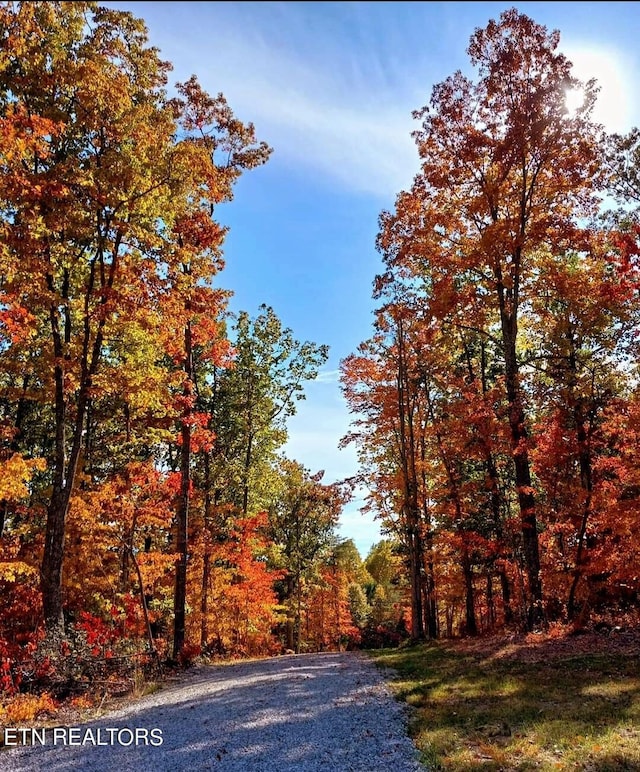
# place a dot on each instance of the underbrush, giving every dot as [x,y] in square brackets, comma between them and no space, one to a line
[45,678]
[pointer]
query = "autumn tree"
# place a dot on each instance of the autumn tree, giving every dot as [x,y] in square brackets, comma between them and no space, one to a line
[241,608]
[83,176]
[582,323]
[383,385]
[507,172]
[246,399]
[217,149]
[388,594]
[355,578]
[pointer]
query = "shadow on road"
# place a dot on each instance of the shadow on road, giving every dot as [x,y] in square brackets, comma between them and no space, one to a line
[306,712]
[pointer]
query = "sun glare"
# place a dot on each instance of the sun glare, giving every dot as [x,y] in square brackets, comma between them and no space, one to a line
[613,106]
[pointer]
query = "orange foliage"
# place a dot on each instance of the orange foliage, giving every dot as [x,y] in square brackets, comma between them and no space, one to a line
[240,589]
[27,707]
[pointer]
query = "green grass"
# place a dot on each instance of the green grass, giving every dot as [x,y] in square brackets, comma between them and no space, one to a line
[476,711]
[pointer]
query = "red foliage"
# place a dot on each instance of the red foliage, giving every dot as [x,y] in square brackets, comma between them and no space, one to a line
[100,636]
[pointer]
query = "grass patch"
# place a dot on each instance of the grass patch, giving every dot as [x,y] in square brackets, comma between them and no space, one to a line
[476,708]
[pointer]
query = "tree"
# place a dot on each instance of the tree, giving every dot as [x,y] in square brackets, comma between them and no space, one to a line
[384,385]
[506,175]
[302,521]
[84,127]
[253,399]
[218,149]
[358,605]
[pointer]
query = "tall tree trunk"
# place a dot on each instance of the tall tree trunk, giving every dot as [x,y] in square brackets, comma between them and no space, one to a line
[494,486]
[411,509]
[586,484]
[471,626]
[336,595]
[586,477]
[64,478]
[491,607]
[456,497]
[206,557]
[145,609]
[53,556]
[182,513]
[204,600]
[506,596]
[430,600]
[429,583]
[520,455]
[492,475]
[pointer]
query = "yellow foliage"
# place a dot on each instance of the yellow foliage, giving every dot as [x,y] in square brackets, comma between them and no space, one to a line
[82,702]
[15,475]
[10,571]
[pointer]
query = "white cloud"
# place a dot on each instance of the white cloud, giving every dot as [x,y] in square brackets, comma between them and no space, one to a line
[363,148]
[323,103]
[328,376]
[315,118]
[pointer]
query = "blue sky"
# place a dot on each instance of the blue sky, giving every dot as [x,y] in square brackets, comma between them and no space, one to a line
[331,87]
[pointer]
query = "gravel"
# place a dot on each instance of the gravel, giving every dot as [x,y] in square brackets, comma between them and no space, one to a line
[298,713]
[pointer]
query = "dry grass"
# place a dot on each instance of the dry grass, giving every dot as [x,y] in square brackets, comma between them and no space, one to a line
[531,703]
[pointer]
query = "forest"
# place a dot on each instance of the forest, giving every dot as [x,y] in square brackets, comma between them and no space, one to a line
[148,515]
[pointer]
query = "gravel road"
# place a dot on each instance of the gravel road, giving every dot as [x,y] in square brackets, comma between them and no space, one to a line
[302,713]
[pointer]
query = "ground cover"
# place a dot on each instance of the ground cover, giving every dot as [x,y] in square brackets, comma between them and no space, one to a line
[535,702]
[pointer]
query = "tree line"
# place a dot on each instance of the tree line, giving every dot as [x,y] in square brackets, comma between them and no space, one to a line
[497,404]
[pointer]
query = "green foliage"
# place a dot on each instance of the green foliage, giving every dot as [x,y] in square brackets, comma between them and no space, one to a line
[383,563]
[358,605]
[251,400]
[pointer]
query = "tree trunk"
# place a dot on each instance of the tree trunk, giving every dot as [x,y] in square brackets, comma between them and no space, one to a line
[406,415]
[182,513]
[586,476]
[64,479]
[492,474]
[64,473]
[491,608]
[429,582]
[204,600]
[520,455]
[145,610]
[587,485]
[416,564]
[471,626]
[206,557]
[430,603]
[290,615]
